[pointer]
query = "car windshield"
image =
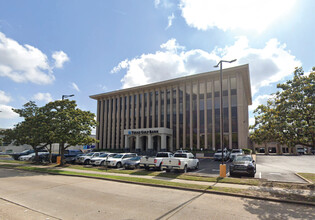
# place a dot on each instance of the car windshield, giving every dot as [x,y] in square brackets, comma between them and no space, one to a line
[118,156]
[162,155]
[180,155]
[238,159]
[25,151]
[103,155]
[89,154]
[236,151]
[135,158]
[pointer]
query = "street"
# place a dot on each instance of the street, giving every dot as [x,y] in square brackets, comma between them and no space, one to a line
[26,195]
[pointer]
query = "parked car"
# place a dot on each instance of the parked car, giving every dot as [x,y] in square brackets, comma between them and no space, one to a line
[31,156]
[101,160]
[181,151]
[119,159]
[301,150]
[235,152]
[218,155]
[243,164]
[16,156]
[181,162]
[132,163]
[154,162]
[85,159]
[70,155]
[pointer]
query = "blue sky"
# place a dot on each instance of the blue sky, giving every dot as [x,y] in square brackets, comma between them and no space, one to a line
[52,48]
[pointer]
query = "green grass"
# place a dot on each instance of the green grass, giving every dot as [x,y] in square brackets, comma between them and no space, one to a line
[5,156]
[309,176]
[14,161]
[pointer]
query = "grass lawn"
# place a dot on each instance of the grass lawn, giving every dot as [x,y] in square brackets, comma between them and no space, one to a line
[309,176]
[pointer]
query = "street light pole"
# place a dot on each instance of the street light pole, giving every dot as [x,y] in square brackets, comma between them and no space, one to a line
[66,96]
[221,104]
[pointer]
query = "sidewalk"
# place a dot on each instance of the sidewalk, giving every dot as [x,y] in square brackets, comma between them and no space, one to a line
[272,190]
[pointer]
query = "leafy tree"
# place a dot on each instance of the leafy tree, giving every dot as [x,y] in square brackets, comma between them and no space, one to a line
[289,117]
[70,125]
[30,130]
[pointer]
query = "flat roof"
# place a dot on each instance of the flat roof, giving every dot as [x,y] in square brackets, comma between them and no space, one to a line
[242,69]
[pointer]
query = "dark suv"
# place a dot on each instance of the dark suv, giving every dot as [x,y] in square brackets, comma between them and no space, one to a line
[243,164]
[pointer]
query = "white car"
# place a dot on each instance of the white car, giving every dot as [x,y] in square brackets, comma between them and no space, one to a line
[180,161]
[30,156]
[119,159]
[101,160]
[218,155]
[85,159]
[235,152]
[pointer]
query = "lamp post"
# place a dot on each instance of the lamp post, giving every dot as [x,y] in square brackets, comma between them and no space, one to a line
[221,108]
[66,96]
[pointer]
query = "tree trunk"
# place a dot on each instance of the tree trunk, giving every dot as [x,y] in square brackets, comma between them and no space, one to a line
[50,156]
[266,149]
[62,152]
[36,155]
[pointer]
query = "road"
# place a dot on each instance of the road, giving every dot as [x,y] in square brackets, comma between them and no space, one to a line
[26,195]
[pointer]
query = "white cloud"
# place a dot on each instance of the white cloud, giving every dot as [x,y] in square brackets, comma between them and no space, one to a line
[24,63]
[75,87]
[267,65]
[4,98]
[46,97]
[259,100]
[231,14]
[60,58]
[163,3]
[170,20]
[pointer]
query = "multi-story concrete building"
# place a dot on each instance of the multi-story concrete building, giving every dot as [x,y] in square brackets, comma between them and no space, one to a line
[177,113]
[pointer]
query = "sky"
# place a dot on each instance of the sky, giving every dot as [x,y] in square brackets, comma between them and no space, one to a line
[54,48]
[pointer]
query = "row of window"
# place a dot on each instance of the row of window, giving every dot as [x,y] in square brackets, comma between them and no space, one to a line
[164,107]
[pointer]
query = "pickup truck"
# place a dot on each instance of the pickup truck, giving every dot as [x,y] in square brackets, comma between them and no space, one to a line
[154,162]
[180,161]
[218,155]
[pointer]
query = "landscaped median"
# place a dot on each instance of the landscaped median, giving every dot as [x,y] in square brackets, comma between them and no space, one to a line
[310,177]
[254,192]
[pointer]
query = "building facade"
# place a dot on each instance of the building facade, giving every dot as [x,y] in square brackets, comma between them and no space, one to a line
[182,113]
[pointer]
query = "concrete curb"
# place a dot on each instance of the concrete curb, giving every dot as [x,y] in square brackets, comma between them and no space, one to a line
[304,178]
[181,188]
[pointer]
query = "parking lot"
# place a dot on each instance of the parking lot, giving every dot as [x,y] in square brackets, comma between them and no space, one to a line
[270,167]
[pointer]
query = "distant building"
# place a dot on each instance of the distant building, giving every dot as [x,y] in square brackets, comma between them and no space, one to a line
[177,113]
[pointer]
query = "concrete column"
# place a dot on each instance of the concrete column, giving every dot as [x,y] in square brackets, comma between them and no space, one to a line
[109,146]
[206,116]
[117,123]
[101,139]
[213,116]
[113,123]
[137,143]
[159,109]
[159,144]
[150,142]
[127,142]
[122,126]
[137,111]
[184,117]
[163,142]
[171,108]
[128,113]
[171,143]
[191,116]
[142,110]
[230,112]
[132,117]
[198,116]
[105,125]
[99,123]
[148,109]
[153,109]
[177,117]
[165,108]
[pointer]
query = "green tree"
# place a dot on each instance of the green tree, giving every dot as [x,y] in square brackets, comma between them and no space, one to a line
[289,117]
[69,125]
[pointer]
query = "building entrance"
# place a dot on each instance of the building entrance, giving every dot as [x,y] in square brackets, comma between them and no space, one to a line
[149,140]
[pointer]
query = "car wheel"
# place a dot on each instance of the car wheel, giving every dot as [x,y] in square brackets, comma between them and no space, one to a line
[86,162]
[167,170]
[146,168]
[118,165]
[197,166]
[231,174]
[252,175]
[185,169]
[102,163]
[137,166]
